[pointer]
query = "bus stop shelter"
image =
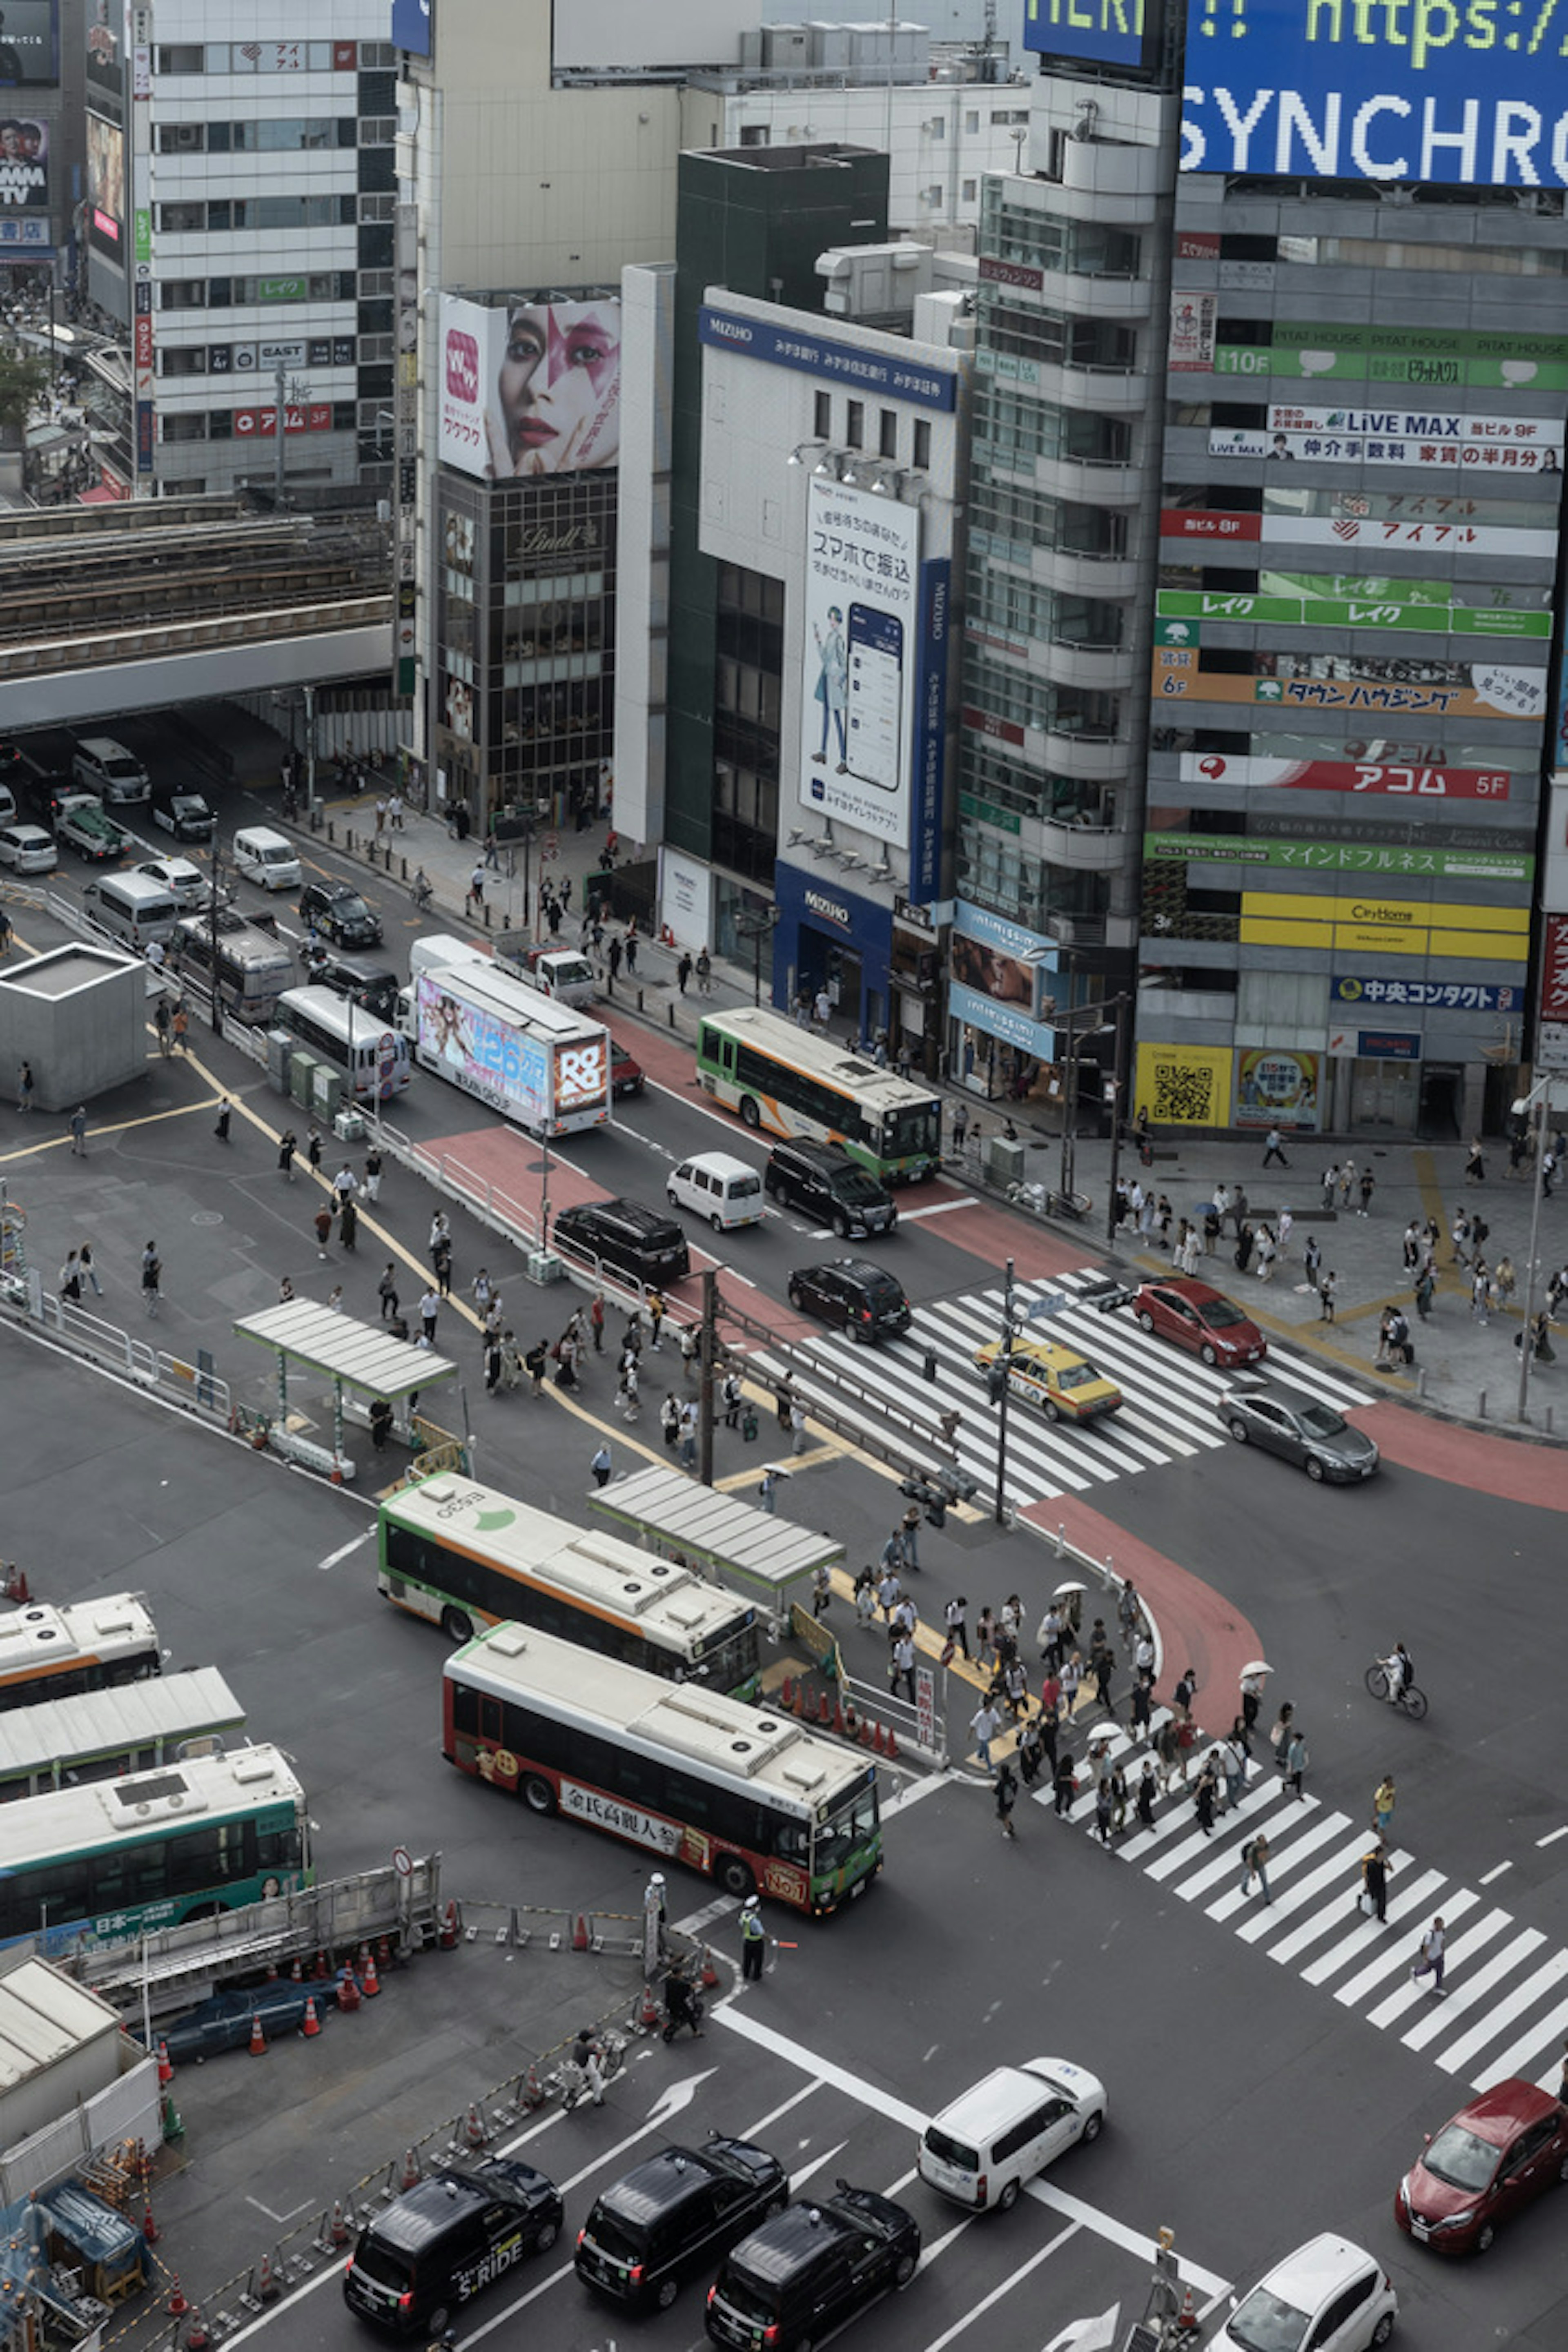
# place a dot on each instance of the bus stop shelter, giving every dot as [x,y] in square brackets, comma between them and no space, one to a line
[743,1546]
[358,1356]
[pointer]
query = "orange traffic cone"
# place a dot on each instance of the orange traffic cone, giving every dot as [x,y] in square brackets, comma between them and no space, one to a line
[371,1984]
[410,2169]
[709,1972]
[178,2305]
[473,2128]
[825,1710]
[324,1968]
[787,1694]
[348,1988]
[1188,2318]
[150,2228]
[448,1936]
[296,1974]
[166,2066]
[533,2089]
[648,2016]
[579,1934]
[267,2284]
[338,2228]
[892,1747]
[312,2024]
[257,2039]
[197,2337]
[879,1742]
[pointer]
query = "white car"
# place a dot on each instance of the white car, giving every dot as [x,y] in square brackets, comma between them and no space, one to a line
[1328,2296]
[28,848]
[185,883]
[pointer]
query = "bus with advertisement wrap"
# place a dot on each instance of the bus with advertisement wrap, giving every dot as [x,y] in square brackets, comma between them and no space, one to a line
[543,1064]
[462,1555]
[745,1795]
[783,1078]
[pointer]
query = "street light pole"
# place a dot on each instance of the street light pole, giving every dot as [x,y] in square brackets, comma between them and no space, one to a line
[1004,1361]
[1118,1086]
[1527,1341]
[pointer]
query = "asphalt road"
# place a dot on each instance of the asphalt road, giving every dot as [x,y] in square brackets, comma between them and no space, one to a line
[1255,2096]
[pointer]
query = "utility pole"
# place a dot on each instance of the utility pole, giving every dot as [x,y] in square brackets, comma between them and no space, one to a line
[705,1377]
[1118,1094]
[212,941]
[1004,1365]
[1542,1088]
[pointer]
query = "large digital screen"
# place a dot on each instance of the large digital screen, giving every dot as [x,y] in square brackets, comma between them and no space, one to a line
[23,165]
[857,720]
[1471,96]
[528,388]
[1103,32]
[106,186]
[28,35]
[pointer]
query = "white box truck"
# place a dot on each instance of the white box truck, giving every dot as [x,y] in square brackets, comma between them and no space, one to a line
[542,1064]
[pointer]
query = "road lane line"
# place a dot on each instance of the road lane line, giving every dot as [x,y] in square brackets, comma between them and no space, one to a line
[1014,2278]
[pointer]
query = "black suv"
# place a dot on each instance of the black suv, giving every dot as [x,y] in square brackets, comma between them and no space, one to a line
[339,914]
[823,1180]
[440,2243]
[183,812]
[678,2212]
[645,1245]
[370,985]
[799,2277]
[851,1291]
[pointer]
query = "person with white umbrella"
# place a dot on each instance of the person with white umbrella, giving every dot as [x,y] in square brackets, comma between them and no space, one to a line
[1252,1679]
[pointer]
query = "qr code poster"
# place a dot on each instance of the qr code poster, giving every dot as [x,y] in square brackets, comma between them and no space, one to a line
[1184,1085]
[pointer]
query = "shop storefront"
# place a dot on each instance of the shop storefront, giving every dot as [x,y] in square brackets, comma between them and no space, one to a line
[829,937]
[1001,1003]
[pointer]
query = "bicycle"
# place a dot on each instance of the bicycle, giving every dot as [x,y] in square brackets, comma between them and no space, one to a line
[1412,1700]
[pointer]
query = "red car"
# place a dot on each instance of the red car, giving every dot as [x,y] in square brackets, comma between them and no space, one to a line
[1503,2149]
[625,1075]
[1200,1318]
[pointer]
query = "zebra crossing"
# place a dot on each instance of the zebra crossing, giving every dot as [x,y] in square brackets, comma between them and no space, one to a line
[1504,2008]
[1167,1416]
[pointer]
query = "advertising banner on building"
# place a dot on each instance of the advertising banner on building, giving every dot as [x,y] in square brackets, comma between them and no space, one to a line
[1190,349]
[529,390]
[1183,1085]
[1101,32]
[910,378]
[1003,980]
[24,164]
[1347,448]
[1288,601]
[1551,1033]
[1380,535]
[1318,90]
[1554,875]
[857,716]
[1481,690]
[1346,776]
[411,26]
[1429,995]
[29,45]
[1373,926]
[1276,1088]
[1431,359]
[1387,858]
[931,732]
[106,187]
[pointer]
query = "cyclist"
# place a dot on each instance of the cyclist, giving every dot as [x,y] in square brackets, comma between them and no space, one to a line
[422,891]
[1400,1672]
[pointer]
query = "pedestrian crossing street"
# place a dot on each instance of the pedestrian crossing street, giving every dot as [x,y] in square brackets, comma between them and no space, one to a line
[1168,1413]
[1504,2008]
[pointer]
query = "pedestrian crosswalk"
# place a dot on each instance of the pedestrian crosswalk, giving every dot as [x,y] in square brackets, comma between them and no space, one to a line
[1503,2010]
[1168,1415]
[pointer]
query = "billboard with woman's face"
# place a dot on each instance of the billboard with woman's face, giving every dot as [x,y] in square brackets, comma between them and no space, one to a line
[531,388]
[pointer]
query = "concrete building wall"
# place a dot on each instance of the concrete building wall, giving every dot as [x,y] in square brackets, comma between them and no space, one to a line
[79,1016]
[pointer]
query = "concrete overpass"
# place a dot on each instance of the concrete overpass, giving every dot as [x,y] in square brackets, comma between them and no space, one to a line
[105,609]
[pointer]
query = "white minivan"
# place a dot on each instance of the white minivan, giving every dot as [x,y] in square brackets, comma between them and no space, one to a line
[267,857]
[132,909]
[715,1185]
[981,2149]
[101,765]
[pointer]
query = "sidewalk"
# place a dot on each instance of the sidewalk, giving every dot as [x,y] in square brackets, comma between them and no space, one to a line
[1465,1369]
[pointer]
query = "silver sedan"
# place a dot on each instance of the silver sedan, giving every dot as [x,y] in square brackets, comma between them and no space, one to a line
[1313,1436]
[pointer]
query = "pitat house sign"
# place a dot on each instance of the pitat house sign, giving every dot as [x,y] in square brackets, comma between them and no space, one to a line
[827,910]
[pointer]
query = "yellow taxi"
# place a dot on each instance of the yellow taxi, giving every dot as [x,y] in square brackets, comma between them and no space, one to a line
[1064,1384]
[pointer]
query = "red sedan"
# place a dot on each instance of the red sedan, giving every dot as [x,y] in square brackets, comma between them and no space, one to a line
[1503,2149]
[1200,1318]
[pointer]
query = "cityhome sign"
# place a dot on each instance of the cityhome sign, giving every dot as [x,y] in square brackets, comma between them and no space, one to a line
[1470,93]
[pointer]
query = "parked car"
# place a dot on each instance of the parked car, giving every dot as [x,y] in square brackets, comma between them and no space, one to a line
[1315,1437]
[339,914]
[83,824]
[676,2213]
[184,813]
[856,1295]
[185,883]
[224,2022]
[643,1245]
[1328,2296]
[1496,2156]
[444,2241]
[1200,1318]
[627,1077]
[27,849]
[1064,1384]
[810,2269]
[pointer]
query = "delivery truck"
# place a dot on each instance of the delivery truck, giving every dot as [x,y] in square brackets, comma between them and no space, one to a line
[545,1064]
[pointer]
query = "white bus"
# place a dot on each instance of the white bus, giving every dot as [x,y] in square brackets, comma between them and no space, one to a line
[253,966]
[745,1793]
[370,1058]
[92,1645]
[782,1078]
[103,1735]
[463,1556]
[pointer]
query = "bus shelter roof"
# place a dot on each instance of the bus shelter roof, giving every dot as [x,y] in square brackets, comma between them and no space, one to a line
[360,1355]
[735,1540]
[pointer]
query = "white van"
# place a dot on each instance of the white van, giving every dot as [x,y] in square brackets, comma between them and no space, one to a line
[267,857]
[715,1185]
[101,765]
[133,909]
[980,2150]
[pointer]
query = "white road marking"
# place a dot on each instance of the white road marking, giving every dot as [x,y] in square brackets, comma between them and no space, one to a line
[937,1209]
[1497,1873]
[335,1558]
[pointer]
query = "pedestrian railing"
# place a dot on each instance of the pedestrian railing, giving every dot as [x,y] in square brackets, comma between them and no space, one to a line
[196,1388]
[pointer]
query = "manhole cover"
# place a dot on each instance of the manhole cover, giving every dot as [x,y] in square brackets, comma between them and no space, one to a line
[207,1217]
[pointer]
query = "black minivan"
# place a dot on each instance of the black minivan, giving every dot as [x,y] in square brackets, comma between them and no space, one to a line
[798,2278]
[676,2213]
[438,2245]
[831,1186]
[645,1245]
